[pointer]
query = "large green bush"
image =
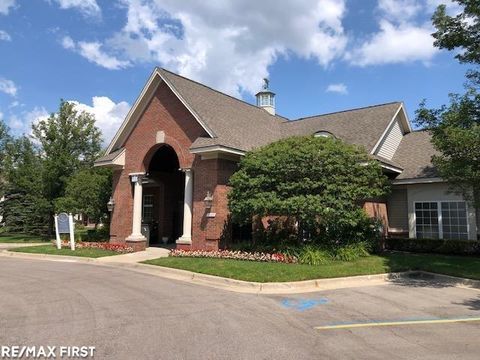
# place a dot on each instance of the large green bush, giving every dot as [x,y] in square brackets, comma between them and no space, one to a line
[317,183]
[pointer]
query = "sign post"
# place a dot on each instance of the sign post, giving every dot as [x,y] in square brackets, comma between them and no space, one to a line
[57,234]
[64,225]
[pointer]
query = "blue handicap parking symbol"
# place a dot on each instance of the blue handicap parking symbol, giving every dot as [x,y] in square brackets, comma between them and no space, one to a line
[302,304]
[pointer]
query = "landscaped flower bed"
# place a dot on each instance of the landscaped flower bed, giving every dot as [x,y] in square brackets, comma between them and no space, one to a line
[119,248]
[237,255]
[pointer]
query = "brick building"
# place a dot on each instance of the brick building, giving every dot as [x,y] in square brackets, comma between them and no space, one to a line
[180,142]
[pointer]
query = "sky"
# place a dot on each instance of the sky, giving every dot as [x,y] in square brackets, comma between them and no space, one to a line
[321,56]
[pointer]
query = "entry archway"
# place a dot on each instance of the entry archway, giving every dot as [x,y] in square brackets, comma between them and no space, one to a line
[163,197]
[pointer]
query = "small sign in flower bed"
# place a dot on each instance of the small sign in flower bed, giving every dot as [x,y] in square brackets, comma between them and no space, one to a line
[236,255]
[118,248]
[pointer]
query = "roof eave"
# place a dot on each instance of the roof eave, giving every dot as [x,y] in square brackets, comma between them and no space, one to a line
[431,180]
[118,162]
[216,148]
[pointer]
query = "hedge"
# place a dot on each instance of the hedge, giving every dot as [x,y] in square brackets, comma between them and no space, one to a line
[454,247]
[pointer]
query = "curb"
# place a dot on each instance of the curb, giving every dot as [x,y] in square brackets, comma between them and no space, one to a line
[272,288]
[59,258]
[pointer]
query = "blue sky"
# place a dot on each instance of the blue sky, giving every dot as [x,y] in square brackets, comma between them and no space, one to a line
[320,55]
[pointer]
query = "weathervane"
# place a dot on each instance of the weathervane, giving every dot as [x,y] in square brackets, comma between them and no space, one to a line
[265,83]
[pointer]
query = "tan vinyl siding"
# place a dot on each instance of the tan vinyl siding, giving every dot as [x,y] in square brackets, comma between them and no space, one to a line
[397,209]
[392,140]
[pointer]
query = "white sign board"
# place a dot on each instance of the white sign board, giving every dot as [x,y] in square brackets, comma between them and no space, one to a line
[64,225]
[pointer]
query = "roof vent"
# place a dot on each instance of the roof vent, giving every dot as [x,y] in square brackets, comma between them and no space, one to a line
[266,98]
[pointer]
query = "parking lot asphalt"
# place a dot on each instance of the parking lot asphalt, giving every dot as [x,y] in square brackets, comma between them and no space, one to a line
[129,315]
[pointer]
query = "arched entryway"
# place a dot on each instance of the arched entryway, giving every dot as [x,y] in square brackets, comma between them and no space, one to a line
[163,197]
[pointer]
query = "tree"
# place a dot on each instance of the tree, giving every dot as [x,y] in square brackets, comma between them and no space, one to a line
[25,209]
[455,128]
[4,139]
[459,32]
[70,141]
[87,192]
[320,182]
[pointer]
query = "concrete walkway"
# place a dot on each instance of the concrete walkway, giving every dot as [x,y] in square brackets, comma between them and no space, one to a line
[16,245]
[136,257]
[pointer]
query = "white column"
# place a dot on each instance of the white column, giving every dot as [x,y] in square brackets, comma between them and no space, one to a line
[187,209]
[136,234]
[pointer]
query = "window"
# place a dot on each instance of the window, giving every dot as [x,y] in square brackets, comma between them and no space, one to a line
[426,214]
[265,100]
[454,220]
[441,220]
[323,134]
[147,208]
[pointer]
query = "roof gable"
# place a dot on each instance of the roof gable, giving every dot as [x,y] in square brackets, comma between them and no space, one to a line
[139,106]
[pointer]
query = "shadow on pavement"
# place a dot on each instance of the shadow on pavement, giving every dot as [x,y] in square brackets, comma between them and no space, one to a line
[421,279]
[473,304]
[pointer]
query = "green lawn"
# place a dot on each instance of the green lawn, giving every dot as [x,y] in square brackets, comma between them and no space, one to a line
[52,250]
[468,267]
[21,238]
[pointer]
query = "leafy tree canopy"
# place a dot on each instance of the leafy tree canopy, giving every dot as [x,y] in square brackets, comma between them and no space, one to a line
[459,32]
[455,127]
[70,141]
[316,180]
[25,209]
[87,192]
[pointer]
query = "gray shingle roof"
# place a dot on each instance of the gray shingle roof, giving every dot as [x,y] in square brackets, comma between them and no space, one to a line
[362,126]
[414,155]
[243,126]
[109,157]
[236,124]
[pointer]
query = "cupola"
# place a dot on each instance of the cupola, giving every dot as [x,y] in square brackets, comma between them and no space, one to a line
[266,98]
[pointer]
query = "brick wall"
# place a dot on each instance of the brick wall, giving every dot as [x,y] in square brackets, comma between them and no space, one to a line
[377,210]
[210,175]
[166,113]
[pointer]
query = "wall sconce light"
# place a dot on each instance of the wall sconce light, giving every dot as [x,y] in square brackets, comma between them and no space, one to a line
[208,201]
[110,204]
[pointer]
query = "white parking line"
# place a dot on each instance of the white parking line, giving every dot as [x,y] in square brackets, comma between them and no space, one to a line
[396,323]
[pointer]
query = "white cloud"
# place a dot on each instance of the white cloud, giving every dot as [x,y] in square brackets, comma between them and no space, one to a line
[400,10]
[395,44]
[6,5]
[68,43]
[404,35]
[108,114]
[8,87]
[22,124]
[5,36]
[86,7]
[93,52]
[227,45]
[337,88]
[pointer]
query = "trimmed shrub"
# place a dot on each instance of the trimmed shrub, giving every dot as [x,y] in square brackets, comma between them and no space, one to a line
[311,255]
[351,252]
[453,247]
